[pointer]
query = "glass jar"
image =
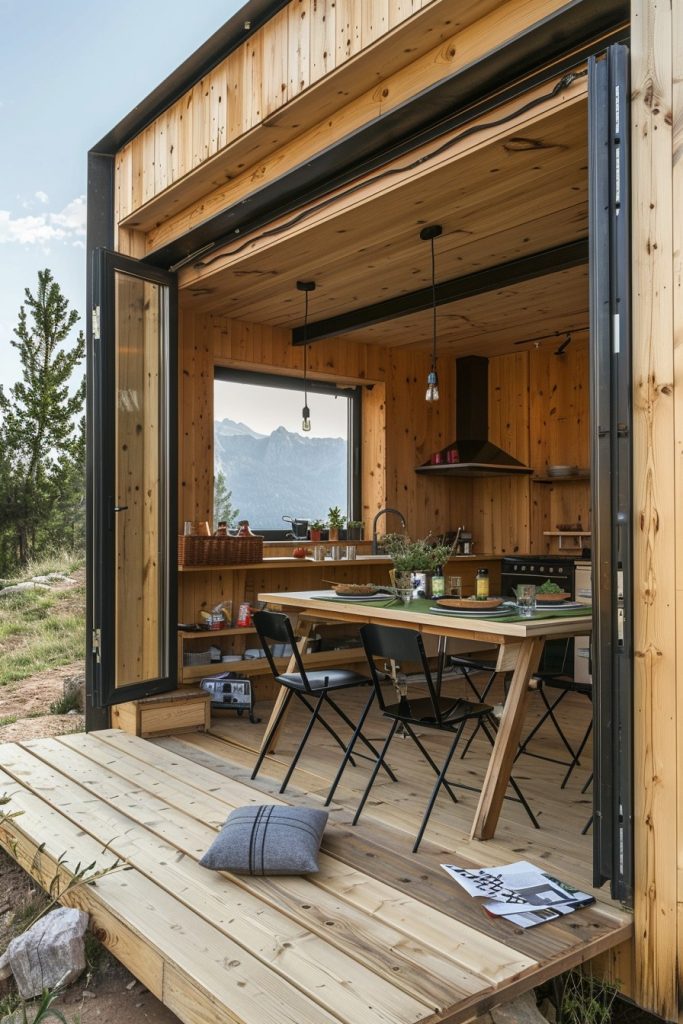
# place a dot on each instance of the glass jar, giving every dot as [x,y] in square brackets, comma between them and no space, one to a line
[481,583]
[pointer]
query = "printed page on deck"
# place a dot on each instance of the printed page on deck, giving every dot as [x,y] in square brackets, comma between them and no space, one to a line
[519,888]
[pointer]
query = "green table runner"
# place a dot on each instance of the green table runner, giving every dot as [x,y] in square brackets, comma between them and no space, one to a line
[424,605]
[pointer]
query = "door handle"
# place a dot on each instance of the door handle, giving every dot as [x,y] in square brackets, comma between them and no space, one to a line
[120,508]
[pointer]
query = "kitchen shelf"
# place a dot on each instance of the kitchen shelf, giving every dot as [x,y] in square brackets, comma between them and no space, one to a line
[566,533]
[574,479]
[204,634]
[473,469]
[259,666]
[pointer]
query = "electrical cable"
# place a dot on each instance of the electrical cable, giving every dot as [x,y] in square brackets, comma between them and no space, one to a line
[564,83]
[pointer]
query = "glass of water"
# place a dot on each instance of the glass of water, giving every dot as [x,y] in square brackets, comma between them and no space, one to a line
[526,598]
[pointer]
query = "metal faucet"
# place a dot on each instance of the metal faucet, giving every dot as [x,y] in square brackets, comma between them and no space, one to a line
[382,512]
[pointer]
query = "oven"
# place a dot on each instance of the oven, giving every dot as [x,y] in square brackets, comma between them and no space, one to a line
[558,655]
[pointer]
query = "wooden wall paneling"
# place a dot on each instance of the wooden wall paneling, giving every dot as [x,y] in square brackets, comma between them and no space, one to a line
[298,51]
[151,519]
[322,38]
[375,21]
[677,276]
[218,108]
[373,453]
[437,41]
[195,425]
[400,10]
[349,29]
[509,404]
[147,145]
[656,488]
[275,48]
[559,397]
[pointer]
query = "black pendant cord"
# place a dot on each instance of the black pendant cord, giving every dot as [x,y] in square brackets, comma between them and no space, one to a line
[433,306]
[305,350]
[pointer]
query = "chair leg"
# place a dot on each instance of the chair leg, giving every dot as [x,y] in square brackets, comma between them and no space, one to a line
[437,786]
[307,732]
[587,783]
[520,795]
[579,752]
[349,750]
[271,732]
[481,698]
[375,770]
[358,735]
[337,739]
[427,756]
[588,824]
[548,714]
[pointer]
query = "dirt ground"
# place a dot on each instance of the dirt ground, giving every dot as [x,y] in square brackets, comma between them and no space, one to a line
[108,993]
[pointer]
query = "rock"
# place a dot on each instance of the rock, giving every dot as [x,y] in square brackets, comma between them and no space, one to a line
[522,1010]
[5,968]
[74,689]
[50,953]
[17,587]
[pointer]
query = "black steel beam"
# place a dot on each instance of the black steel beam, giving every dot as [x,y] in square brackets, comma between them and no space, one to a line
[550,261]
[528,60]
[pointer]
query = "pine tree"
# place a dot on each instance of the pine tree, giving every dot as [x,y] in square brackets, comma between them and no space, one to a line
[223,509]
[42,438]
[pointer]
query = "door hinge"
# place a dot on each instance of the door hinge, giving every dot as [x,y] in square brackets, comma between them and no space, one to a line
[96,323]
[97,644]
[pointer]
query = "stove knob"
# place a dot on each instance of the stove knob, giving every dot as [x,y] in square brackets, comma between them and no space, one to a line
[550,569]
[532,568]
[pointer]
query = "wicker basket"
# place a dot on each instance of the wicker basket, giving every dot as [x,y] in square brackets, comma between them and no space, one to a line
[219,550]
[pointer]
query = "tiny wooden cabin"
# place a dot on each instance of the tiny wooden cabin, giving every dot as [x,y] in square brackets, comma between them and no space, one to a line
[313,140]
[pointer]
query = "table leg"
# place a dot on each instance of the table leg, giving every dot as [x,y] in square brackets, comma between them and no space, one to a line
[507,741]
[305,634]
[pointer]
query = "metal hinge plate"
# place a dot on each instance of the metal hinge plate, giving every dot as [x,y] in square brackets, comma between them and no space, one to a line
[96,323]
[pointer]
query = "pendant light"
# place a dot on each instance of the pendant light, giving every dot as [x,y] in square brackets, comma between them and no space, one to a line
[428,234]
[305,287]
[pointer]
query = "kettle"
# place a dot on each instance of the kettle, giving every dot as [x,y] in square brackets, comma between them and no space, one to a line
[299,527]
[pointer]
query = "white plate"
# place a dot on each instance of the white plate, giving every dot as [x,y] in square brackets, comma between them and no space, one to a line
[495,613]
[560,605]
[379,596]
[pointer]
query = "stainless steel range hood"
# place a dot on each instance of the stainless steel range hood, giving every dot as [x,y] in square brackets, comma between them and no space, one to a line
[476,455]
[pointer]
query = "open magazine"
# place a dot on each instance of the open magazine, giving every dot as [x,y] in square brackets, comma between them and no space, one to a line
[520,892]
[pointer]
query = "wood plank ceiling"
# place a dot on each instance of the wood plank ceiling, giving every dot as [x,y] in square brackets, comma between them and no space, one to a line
[523,193]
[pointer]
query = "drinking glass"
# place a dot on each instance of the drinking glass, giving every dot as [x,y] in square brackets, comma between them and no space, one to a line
[351,551]
[454,586]
[319,552]
[405,594]
[526,599]
[335,552]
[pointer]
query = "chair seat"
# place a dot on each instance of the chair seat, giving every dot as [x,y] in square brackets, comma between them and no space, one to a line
[561,682]
[421,711]
[329,679]
[476,664]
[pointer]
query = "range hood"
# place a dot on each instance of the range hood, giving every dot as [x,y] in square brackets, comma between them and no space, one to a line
[476,455]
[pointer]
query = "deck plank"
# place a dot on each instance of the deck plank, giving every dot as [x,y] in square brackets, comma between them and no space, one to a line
[356,943]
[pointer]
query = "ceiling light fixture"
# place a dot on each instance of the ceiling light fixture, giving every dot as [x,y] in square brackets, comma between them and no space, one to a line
[306,287]
[428,234]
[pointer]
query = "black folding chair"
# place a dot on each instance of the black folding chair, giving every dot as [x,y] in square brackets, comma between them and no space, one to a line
[314,690]
[445,714]
[467,665]
[566,685]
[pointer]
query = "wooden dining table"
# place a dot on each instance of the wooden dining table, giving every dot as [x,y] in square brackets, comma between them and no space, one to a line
[519,644]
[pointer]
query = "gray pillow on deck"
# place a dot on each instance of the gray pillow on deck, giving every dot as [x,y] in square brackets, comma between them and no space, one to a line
[268,840]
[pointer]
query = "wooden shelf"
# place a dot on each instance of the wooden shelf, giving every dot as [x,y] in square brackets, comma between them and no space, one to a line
[289,563]
[566,533]
[561,479]
[204,634]
[259,666]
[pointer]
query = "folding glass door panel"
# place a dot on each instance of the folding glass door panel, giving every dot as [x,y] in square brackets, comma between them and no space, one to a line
[134,536]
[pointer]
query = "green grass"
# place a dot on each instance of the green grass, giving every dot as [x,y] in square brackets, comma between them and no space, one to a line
[8,720]
[41,629]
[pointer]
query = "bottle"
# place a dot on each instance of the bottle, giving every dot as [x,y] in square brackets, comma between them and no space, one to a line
[222,530]
[244,530]
[438,582]
[482,584]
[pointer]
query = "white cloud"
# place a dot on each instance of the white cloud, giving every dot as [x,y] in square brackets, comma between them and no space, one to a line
[41,196]
[39,229]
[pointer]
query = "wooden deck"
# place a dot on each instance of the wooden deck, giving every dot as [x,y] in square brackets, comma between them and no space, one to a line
[378,936]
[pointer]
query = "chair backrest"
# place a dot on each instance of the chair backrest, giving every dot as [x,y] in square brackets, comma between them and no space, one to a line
[275,627]
[395,643]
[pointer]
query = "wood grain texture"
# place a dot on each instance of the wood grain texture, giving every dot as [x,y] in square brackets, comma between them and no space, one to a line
[657,663]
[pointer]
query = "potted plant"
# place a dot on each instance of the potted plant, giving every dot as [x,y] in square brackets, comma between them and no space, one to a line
[335,521]
[354,529]
[315,530]
[415,560]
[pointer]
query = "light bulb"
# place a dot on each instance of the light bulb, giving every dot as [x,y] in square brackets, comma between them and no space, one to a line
[306,419]
[432,393]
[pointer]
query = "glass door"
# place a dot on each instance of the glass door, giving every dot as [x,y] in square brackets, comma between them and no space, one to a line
[133,553]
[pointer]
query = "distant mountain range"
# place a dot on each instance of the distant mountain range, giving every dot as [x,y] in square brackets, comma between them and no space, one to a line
[281,473]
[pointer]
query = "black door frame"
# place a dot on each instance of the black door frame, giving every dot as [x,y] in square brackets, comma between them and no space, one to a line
[102,462]
[611,497]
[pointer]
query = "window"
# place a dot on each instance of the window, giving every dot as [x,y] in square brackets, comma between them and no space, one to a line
[266,467]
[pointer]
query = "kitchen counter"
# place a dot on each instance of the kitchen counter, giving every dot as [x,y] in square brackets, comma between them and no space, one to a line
[285,562]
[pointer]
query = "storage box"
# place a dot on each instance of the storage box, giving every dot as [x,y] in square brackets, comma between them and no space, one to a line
[219,550]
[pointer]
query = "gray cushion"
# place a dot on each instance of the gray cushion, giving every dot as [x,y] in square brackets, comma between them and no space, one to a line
[268,840]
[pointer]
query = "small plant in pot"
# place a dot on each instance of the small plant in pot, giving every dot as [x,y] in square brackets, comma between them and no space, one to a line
[335,522]
[315,530]
[354,529]
[415,559]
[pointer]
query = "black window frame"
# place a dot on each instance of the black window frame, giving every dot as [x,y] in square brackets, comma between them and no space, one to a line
[352,392]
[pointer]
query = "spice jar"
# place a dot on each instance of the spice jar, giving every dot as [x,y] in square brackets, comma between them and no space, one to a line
[244,530]
[222,530]
[482,584]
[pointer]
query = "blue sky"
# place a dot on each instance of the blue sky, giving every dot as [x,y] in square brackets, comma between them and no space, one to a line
[69,71]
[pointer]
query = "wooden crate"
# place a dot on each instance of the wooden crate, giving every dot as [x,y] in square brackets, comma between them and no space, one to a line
[186,710]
